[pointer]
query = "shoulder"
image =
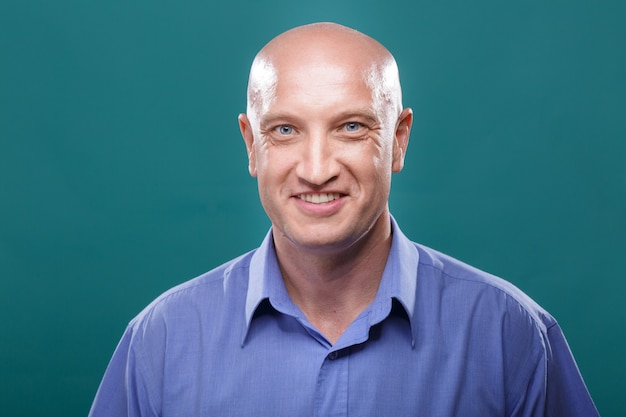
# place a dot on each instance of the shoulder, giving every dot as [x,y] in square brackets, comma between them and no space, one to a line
[199,295]
[474,287]
[490,317]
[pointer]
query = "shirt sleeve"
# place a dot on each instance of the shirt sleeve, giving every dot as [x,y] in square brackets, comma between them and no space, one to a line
[566,393]
[122,392]
[547,382]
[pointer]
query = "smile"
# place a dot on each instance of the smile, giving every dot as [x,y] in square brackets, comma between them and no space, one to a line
[319,198]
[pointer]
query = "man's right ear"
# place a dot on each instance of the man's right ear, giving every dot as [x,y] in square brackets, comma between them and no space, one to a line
[248,138]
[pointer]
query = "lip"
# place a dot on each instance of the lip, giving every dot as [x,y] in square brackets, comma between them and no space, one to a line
[320,203]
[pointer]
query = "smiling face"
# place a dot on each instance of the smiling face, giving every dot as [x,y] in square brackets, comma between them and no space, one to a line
[324,132]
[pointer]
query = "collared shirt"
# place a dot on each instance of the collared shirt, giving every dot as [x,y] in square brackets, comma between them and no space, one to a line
[440,339]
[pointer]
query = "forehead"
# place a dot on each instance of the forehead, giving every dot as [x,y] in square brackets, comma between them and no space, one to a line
[320,76]
[313,84]
[321,93]
[322,70]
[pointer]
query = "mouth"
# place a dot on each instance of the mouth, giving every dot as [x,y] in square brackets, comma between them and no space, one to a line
[319,198]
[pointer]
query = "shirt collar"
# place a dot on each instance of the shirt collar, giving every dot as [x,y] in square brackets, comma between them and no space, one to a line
[265,283]
[398,282]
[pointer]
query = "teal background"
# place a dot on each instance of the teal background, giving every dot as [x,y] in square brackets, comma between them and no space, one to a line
[122,172]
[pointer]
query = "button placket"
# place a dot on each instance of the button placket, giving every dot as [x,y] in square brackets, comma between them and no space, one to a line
[331,396]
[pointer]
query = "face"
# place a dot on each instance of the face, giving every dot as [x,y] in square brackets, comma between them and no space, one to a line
[323,146]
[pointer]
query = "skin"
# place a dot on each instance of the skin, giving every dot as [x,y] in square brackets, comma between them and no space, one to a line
[324,131]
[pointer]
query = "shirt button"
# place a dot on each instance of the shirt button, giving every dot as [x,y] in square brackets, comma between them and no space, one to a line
[333,355]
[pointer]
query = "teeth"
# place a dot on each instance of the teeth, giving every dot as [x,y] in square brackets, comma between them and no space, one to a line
[319,198]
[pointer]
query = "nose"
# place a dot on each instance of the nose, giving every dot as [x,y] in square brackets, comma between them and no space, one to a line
[318,163]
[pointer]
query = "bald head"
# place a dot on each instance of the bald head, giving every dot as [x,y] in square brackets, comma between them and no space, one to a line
[325,131]
[318,46]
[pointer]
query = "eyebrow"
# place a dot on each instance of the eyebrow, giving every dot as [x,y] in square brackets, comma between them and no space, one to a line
[268,117]
[365,113]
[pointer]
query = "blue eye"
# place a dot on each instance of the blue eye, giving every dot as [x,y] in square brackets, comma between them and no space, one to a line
[285,129]
[352,126]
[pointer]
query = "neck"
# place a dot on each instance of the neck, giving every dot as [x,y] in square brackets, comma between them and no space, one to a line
[332,289]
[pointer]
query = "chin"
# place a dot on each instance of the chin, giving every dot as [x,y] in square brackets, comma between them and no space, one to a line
[324,243]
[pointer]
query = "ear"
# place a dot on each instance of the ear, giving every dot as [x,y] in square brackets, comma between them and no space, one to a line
[401,139]
[248,138]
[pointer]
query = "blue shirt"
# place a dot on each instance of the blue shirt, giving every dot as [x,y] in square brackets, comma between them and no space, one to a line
[440,339]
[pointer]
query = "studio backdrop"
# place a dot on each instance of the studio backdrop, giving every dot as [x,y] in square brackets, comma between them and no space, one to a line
[122,171]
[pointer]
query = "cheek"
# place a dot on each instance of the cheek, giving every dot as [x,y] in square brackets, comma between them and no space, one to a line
[380,168]
[381,154]
[272,167]
[263,160]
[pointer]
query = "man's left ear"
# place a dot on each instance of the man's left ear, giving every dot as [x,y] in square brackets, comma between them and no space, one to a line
[401,139]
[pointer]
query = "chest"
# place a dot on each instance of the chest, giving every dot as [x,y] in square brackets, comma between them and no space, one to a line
[284,370]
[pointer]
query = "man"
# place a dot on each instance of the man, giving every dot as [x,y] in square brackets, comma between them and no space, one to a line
[337,312]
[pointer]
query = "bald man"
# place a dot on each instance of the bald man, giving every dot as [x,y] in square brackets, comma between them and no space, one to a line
[337,312]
